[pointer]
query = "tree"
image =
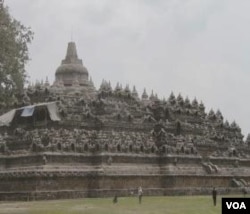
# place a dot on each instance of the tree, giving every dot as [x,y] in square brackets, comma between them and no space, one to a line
[14,40]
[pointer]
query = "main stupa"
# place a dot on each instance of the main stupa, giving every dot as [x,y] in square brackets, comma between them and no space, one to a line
[72,76]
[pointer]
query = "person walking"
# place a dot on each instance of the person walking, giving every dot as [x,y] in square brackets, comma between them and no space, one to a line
[140,192]
[244,191]
[115,199]
[214,195]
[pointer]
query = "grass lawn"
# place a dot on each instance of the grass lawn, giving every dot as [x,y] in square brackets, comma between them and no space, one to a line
[129,205]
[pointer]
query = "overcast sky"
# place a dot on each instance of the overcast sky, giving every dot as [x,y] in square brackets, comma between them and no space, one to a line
[199,48]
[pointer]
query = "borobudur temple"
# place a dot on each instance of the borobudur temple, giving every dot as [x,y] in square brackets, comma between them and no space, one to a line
[70,140]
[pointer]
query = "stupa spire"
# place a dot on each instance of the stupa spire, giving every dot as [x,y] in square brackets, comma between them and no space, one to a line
[72,69]
[71,55]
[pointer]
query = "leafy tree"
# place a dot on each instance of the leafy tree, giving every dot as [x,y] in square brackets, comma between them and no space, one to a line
[14,40]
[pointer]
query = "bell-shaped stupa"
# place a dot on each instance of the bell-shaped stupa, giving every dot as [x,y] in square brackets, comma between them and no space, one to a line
[72,75]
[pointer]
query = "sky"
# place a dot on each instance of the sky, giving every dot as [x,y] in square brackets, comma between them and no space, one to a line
[198,48]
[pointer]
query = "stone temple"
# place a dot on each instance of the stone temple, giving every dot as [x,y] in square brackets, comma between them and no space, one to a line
[70,140]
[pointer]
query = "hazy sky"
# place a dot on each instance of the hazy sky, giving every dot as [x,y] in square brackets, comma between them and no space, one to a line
[199,48]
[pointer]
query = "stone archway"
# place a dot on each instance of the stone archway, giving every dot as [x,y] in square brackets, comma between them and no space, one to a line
[178,128]
[86,148]
[119,148]
[59,146]
[72,146]
[130,148]
[106,147]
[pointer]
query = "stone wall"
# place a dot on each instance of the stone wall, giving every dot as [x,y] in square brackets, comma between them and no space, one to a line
[29,177]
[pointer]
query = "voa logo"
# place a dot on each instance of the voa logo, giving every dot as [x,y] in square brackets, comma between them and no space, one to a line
[236,205]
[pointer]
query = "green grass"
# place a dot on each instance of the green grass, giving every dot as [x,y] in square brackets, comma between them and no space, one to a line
[129,205]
